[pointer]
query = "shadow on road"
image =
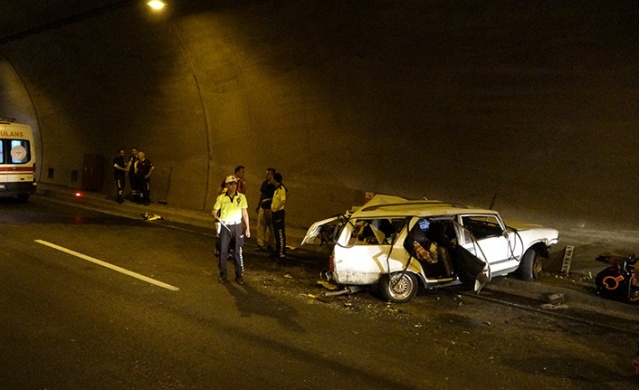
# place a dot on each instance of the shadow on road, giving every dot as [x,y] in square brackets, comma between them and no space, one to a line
[251,302]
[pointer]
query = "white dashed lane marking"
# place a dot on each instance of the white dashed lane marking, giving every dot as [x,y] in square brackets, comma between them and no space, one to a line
[108,265]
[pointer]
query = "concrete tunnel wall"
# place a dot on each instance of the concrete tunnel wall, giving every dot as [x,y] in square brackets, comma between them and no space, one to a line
[533,103]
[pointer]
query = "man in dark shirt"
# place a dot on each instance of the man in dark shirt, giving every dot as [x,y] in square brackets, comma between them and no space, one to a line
[264,219]
[133,160]
[119,169]
[144,169]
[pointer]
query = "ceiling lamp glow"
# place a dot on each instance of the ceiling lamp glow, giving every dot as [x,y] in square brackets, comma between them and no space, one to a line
[156,4]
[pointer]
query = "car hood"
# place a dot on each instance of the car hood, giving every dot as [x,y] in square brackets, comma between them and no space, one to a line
[523,225]
[534,232]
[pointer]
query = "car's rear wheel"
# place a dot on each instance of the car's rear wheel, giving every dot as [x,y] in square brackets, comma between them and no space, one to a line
[531,266]
[399,287]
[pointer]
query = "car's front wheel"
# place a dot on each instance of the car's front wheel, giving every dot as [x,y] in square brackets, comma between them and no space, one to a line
[399,287]
[531,266]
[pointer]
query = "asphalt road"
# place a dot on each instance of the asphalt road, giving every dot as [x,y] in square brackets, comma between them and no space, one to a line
[78,312]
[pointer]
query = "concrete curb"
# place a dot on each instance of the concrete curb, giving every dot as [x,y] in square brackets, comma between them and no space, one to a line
[101,203]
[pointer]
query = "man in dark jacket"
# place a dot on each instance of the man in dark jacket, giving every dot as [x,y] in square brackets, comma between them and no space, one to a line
[119,169]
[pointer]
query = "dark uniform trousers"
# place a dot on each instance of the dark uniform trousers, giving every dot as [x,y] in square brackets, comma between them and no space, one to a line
[234,233]
[279,232]
[145,188]
[133,181]
[119,183]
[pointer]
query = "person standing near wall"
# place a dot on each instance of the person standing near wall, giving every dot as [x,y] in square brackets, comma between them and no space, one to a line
[264,220]
[238,173]
[145,168]
[241,182]
[131,167]
[230,210]
[119,169]
[277,208]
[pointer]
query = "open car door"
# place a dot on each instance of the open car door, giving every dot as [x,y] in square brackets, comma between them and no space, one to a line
[472,271]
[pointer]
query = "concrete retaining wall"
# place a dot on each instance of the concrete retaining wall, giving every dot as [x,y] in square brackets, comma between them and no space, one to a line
[457,100]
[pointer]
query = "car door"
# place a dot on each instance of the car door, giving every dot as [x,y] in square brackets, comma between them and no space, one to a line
[484,236]
[446,233]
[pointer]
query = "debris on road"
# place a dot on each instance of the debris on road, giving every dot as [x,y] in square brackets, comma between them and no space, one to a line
[553,298]
[346,290]
[150,217]
[553,301]
[619,279]
[565,266]
[311,296]
[326,284]
[549,306]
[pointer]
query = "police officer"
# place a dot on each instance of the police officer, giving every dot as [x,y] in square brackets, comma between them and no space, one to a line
[279,216]
[230,210]
[119,168]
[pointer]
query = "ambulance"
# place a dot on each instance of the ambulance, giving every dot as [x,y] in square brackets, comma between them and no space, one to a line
[17,160]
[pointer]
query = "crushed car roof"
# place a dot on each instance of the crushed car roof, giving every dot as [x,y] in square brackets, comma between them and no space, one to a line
[395,206]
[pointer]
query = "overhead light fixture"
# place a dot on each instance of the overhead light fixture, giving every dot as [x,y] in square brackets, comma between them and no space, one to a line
[156,4]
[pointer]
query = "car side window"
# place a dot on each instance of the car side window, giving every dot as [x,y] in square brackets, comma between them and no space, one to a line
[482,226]
[379,231]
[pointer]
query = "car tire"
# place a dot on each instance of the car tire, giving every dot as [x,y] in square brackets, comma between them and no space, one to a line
[531,266]
[399,287]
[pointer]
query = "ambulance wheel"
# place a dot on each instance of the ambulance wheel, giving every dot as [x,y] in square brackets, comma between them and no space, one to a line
[530,266]
[398,287]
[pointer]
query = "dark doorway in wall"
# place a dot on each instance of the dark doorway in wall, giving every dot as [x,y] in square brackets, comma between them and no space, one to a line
[92,172]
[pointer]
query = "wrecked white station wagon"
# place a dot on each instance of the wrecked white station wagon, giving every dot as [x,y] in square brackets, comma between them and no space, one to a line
[400,244]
